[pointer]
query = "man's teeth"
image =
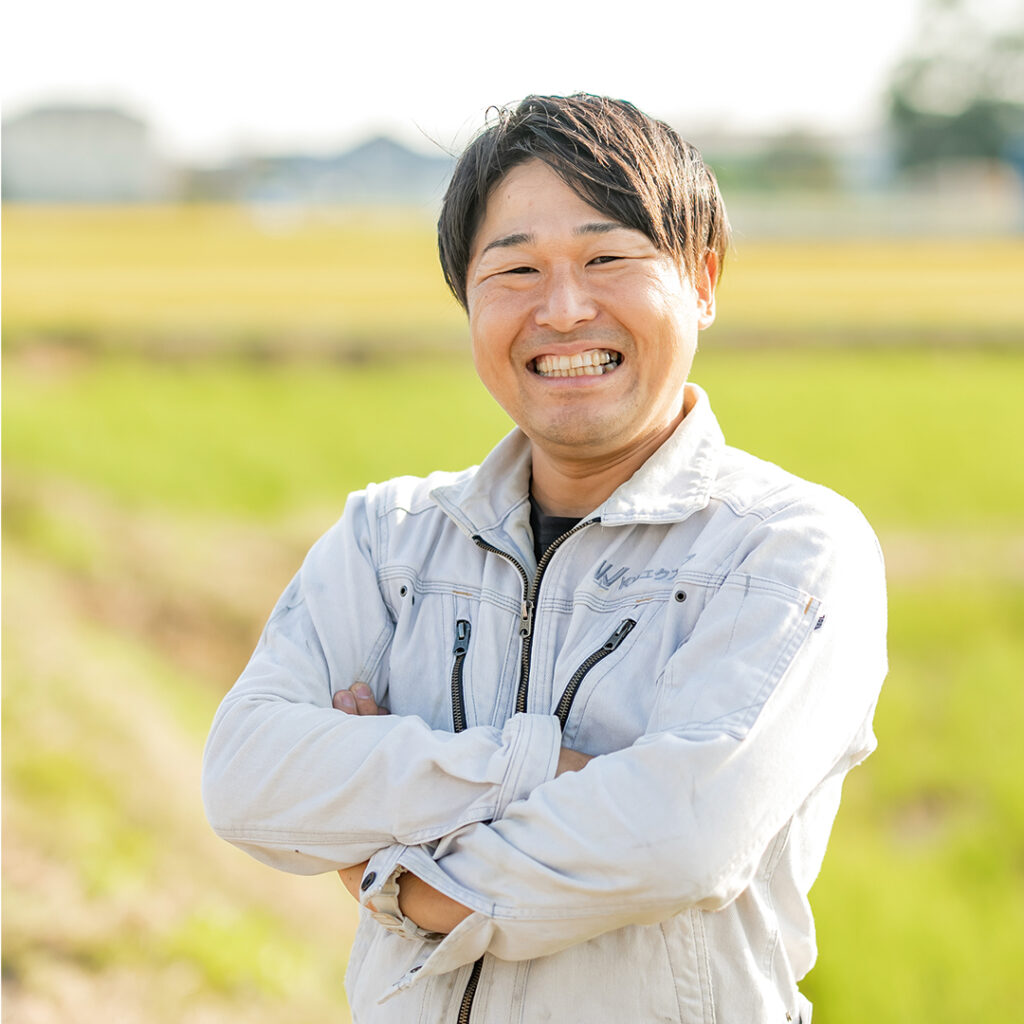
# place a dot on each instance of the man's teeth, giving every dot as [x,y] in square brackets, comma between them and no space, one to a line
[591,363]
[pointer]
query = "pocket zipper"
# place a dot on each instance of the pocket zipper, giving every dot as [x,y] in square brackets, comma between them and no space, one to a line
[569,694]
[462,631]
[459,649]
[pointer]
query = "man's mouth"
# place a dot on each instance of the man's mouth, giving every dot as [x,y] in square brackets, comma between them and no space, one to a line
[592,363]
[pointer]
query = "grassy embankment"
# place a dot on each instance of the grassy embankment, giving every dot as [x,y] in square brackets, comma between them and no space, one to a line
[155,507]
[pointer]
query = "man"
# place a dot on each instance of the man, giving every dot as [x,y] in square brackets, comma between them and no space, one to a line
[571,725]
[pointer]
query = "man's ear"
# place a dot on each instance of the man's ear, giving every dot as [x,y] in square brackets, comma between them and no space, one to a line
[705,281]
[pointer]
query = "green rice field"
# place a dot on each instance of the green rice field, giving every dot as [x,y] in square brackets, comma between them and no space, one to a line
[174,440]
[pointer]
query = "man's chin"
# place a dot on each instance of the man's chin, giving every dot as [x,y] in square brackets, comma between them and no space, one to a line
[577,440]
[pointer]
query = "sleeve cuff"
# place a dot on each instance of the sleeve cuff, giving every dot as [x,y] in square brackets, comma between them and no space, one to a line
[438,954]
[535,742]
[380,887]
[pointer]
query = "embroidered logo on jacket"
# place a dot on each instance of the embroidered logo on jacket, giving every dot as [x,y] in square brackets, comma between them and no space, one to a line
[608,576]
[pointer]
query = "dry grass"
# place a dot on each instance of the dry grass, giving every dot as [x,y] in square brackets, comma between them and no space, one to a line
[119,903]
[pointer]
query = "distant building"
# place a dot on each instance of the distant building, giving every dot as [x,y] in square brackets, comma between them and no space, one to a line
[69,154]
[379,171]
[381,167]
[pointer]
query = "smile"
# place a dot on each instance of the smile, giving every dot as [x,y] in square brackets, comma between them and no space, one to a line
[592,363]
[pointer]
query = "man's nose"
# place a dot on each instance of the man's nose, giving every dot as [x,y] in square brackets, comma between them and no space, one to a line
[566,301]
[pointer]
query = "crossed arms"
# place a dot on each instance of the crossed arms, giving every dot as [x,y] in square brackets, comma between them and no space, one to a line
[494,820]
[422,903]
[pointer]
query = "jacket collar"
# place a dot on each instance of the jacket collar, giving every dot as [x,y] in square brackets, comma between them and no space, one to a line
[671,485]
[676,480]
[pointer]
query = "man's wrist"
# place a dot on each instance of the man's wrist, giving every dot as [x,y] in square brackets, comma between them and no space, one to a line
[421,902]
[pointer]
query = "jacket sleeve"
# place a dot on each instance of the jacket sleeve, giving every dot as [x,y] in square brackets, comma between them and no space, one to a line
[684,816]
[306,788]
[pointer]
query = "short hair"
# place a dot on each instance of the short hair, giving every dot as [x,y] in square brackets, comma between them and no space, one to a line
[633,168]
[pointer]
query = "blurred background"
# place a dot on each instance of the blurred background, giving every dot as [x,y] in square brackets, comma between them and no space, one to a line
[222,311]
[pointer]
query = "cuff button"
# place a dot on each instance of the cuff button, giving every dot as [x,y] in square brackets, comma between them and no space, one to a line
[368,880]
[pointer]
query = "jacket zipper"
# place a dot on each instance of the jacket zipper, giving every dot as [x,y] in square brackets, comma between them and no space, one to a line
[529,603]
[569,693]
[531,589]
[462,631]
[467,998]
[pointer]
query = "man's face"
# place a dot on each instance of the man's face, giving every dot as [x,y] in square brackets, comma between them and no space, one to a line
[582,330]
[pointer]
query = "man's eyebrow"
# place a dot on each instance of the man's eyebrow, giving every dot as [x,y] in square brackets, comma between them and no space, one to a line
[598,227]
[507,241]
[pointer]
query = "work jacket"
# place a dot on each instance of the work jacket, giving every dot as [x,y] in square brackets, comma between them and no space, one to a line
[714,630]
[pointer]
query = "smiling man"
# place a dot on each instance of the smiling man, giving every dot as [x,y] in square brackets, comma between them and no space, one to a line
[571,725]
[584,332]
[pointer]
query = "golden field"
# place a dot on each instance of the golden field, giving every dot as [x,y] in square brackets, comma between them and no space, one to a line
[226,277]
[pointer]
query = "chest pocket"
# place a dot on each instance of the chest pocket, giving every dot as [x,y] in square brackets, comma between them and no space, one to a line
[602,684]
[620,632]
[453,657]
[735,653]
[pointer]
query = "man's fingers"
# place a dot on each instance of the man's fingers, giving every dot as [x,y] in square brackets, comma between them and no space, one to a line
[358,700]
[344,701]
[364,699]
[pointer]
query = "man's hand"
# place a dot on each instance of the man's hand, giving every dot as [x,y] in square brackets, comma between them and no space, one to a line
[571,760]
[358,700]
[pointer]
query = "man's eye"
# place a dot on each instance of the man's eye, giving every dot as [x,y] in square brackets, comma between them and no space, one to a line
[520,270]
[604,259]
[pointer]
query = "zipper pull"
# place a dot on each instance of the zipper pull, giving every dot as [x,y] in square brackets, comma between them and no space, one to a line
[526,618]
[625,628]
[462,631]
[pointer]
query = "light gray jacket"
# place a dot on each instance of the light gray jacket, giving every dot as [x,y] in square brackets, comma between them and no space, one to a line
[715,630]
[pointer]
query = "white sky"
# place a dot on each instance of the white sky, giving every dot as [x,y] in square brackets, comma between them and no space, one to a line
[214,76]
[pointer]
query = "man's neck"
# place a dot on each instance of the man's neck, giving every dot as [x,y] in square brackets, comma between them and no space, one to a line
[568,484]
